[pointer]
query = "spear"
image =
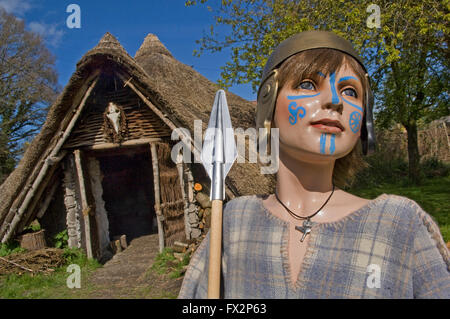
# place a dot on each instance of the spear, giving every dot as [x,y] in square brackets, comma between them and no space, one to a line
[218,155]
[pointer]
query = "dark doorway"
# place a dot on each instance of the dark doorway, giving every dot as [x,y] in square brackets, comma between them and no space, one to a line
[128,194]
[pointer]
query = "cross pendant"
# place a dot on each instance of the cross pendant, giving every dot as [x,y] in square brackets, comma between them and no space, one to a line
[305,229]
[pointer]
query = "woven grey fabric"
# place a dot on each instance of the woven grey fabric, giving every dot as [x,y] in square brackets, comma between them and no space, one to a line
[391,233]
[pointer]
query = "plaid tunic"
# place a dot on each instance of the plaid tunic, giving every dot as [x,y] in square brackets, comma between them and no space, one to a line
[390,236]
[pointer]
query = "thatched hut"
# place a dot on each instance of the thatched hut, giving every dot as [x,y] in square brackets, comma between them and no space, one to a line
[101,165]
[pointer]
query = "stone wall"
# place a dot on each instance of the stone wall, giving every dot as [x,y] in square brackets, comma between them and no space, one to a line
[71,200]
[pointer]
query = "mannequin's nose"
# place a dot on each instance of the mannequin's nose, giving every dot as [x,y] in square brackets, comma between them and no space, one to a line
[334,107]
[331,101]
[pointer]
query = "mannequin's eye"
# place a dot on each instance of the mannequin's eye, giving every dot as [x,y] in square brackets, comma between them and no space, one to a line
[350,92]
[307,85]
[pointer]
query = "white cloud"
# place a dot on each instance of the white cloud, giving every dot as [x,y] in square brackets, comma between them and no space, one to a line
[17,7]
[49,32]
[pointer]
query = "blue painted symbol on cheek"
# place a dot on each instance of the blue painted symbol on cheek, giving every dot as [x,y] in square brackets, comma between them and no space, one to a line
[332,146]
[334,96]
[295,111]
[355,121]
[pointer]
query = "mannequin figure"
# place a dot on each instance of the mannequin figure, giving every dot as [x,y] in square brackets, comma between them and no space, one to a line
[311,239]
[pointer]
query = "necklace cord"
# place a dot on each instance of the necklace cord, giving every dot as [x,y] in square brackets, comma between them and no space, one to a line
[301,217]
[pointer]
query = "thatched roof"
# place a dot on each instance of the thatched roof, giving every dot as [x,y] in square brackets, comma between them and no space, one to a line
[151,45]
[178,91]
[190,96]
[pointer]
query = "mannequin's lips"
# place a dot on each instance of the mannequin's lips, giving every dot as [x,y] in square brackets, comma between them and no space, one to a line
[332,126]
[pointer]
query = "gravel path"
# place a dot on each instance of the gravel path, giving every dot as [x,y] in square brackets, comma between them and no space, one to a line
[128,274]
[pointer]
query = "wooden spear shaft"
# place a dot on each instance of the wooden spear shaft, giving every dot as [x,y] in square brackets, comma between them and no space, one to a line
[215,250]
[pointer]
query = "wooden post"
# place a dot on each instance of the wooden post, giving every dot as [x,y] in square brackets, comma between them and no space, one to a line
[84,203]
[187,226]
[159,216]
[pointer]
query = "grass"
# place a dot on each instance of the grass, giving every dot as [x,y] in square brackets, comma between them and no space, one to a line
[166,263]
[433,196]
[10,248]
[50,285]
[54,285]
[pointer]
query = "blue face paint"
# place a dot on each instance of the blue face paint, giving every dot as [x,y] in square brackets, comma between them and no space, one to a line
[297,111]
[323,143]
[355,121]
[321,74]
[294,110]
[354,105]
[323,140]
[332,146]
[345,78]
[296,97]
[334,95]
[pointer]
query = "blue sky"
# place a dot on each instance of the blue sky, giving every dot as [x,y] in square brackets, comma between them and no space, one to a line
[129,21]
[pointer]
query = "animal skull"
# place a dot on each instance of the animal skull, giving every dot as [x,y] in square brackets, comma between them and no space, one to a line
[113,114]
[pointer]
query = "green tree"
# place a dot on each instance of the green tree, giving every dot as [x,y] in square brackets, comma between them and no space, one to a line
[407,56]
[28,83]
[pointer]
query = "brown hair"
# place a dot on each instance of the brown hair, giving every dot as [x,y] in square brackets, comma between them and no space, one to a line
[307,64]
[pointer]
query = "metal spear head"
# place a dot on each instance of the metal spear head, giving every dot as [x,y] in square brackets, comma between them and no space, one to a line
[219,148]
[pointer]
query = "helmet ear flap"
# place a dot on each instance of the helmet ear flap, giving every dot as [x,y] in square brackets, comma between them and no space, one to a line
[267,96]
